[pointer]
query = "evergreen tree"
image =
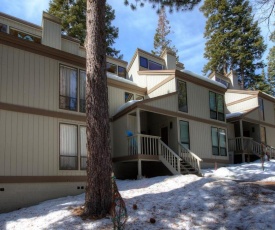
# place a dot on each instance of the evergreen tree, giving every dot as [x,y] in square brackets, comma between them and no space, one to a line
[161,42]
[98,198]
[260,83]
[73,19]
[271,65]
[233,39]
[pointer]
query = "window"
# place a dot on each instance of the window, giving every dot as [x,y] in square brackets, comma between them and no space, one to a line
[128,97]
[148,64]
[261,108]
[68,147]
[3,28]
[184,134]
[222,81]
[182,96]
[154,66]
[111,68]
[218,141]
[68,88]
[121,72]
[25,36]
[82,91]
[70,151]
[263,134]
[118,70]
[143,62]
[216,104]
[83,148]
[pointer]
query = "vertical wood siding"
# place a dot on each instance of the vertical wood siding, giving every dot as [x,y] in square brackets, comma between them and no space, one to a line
[231,97]
[51,34]
[69,46]
[29,145]
[168,87]
[119,138]
[242,106]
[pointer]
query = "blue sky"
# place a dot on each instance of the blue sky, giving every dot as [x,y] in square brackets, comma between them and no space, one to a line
[137,28]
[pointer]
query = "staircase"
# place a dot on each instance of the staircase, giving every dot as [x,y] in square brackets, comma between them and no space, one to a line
[247,145]
[185,162]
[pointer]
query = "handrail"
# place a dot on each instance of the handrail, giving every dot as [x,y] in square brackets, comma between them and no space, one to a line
[189,157]
[170,159]
[143,144]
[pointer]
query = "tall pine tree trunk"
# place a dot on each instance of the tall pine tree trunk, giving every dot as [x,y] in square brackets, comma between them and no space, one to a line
[99,166]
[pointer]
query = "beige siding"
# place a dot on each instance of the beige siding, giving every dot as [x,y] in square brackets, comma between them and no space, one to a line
[200,140]
[231,97]
[22,27]
[254,115]
[116,98]
[82,52]
[51,34]
[168,87]
[153,80]
[30,145]
[119,138]
[133,75]
[169,103]
[242,106]
[70,46]
[270,136]
[269,112]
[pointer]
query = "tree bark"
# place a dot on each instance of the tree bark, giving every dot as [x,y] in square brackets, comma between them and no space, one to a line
[99,165]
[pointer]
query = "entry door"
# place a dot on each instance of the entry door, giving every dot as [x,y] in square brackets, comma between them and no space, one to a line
[164,135]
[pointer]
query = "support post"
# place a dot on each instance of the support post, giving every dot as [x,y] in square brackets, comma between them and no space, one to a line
[138,131]
[242,145]
[139,176]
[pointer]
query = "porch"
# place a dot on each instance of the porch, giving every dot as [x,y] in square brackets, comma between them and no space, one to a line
[153,137]
[248,148]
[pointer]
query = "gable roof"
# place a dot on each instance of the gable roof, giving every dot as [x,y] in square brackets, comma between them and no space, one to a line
[239,115]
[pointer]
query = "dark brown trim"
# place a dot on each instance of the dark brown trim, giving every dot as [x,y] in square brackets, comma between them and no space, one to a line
[161,84]
[130,108]
[20,21]
[256,92]
[267,97]
[210,160]
[198,81]
[9,40]
[126,86]
[181,115]
[241,100]
[136,157]
[258,122]
[42,112]
[242,116]
[41,179]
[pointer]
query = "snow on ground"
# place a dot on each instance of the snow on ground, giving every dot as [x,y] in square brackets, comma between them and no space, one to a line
[176,202]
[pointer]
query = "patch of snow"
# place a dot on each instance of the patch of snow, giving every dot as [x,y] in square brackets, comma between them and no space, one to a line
[121,79]
[231,115]
[126,105]
[175,202]
[204,78]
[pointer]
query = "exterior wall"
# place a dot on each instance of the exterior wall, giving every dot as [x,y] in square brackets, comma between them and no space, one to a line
[116,97]
[231,97]
[168,103]
[51,34]
[33,30]
[120,139]
[242,106]
[21,195]
[70,46]
[166,88]
[30,145]
[270,135]
[269,112]
[200,140]
[28,79]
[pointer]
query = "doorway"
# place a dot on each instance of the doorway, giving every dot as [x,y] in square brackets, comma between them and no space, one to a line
[164,134]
